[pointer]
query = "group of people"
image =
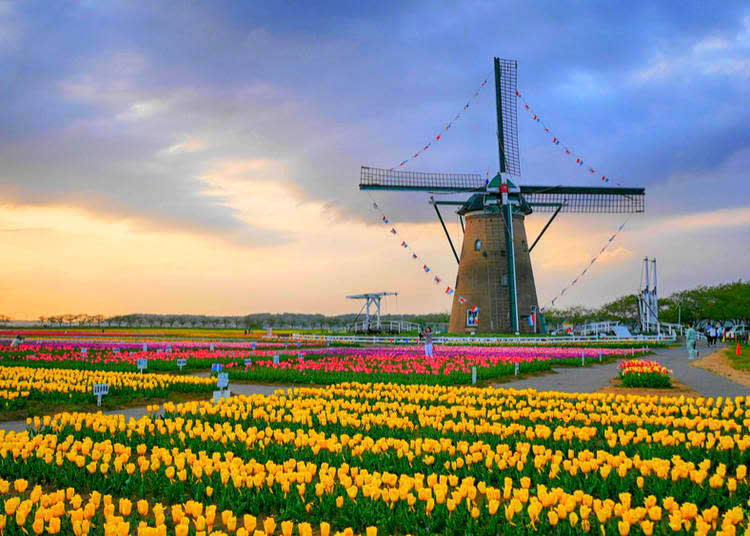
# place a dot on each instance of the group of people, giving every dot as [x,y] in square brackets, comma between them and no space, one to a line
[713,334]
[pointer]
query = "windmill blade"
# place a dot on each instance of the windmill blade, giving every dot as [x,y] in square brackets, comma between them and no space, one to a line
[384,179]
[584,199]
[506,85]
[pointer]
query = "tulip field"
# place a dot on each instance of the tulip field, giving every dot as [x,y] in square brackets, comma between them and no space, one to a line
[451,365]
[19,385]
[386,459]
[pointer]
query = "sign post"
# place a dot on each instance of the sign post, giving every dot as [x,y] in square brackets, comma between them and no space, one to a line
[473,375]
[222,382]
[276,358]
[100,389]
[181,363]
[142,364]
[516,369]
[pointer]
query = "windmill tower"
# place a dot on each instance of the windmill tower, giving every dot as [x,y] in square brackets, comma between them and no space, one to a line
[495,276]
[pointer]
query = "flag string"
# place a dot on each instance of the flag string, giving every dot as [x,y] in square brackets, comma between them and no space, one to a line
[435,139]
[556,141]
[405,244]
[609,242]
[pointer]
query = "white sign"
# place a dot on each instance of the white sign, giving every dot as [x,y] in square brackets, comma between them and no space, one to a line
[222,380]
[211,347]
[516,369]
[218,395]
[142,364]
[473,375]
[145,347]
[116,351]
[301,355]
[100,389]
[248,362]
[181,363]
[275,359]
[583,360]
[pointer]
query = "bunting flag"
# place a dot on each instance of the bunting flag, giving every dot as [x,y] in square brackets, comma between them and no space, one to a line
[580,276]
[474,309]
[436,138]
[556,140]
[436,278]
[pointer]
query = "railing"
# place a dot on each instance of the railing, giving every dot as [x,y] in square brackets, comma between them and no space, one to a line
[480,340]
[390,326]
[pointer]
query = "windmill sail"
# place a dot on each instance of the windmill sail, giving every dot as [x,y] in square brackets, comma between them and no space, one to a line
[506,82]
[384,179]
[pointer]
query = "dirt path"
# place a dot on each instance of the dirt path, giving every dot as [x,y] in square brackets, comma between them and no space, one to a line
[719,363]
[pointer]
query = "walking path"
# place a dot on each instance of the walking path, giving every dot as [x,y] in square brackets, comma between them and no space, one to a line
[568,380]
[593,378]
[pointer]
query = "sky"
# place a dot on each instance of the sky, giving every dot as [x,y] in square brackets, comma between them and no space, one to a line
[204,157]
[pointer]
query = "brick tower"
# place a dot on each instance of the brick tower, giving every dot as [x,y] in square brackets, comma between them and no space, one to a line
[483,277]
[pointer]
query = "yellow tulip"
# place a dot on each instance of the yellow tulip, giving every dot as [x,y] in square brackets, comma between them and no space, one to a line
[269,525]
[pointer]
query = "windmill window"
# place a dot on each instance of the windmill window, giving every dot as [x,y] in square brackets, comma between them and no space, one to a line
[477,245]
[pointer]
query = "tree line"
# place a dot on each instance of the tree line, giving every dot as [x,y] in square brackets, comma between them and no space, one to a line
[730,301]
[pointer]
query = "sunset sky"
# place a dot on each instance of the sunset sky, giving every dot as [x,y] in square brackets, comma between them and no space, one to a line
[204,158]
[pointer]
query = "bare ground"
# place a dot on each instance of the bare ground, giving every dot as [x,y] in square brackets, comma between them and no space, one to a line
[719,363]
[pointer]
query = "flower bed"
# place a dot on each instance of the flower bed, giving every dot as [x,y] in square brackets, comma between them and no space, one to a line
[18,385]
[451,365]
[645,374]
[389,459]
[115,358]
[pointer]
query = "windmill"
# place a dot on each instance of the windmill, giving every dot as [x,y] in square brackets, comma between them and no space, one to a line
[495,275]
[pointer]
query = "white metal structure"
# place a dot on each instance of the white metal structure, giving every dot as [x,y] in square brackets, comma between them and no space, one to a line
[648,300]
[597,329]
[371,298]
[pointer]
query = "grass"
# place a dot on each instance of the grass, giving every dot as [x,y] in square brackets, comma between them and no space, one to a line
[742,361]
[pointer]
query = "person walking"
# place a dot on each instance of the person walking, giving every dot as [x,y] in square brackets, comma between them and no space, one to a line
[427,336]
[690,336]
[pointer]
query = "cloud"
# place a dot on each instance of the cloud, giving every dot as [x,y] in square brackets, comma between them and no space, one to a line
[245,124]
